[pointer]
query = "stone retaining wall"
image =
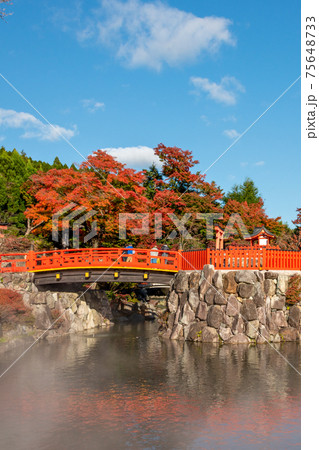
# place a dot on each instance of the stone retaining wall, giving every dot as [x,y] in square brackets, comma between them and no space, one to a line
[89,311]
[232,307]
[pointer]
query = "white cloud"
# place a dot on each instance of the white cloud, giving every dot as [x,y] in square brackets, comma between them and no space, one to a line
[230,119]
[33,127]
[259,163]
[92,105]
[2,138]
[232,134]
[140,157]
[205,120]
[244,164]
[224,92]
[153,33]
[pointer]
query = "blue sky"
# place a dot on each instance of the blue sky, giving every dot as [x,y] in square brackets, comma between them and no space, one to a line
[127,75]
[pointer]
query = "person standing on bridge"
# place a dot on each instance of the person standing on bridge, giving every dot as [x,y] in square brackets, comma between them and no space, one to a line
[154,254]
[164,247]
[128,251]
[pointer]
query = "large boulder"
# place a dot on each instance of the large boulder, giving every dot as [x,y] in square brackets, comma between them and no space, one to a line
[208,272]
[218,280]
[76,325]
[201,312]
[239,338]
[229,283]
[193,299]
[229,321]
[181,281]
[238,326]
[67,299]
[195,331]
[275,338]
[83,310]
[233,306]
[249,310]
[289,334]
[245,276]
[278,302]
[271,275]
[51,300]
[246,290]
[215,316]
[269,287]
[183,297]
[278,318]
[225,333]
[259,275]
[252,329]
[261,315]
[172,302]
[272,327]
[177,331]
[207,278]
[38,298]
[171,320]
[93,320]
[43,317]
[282,284]
[193,280]
[97,318]
[187,316]
[209,296]
[263,335]
[210,334]
[259,297]
[295,316]
[220,298]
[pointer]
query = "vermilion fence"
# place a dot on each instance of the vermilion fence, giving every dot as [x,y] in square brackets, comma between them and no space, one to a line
[194,259]
[243,259]
[233,259]
[90,258]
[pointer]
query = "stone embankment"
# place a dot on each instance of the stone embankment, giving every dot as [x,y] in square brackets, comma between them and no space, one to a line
[70,312]
[79,311]
[233,307]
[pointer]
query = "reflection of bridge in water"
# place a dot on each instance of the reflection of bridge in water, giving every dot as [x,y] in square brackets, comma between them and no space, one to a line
[91,265]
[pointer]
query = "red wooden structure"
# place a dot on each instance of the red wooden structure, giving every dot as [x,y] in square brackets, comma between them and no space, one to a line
[245,258]
[260,237]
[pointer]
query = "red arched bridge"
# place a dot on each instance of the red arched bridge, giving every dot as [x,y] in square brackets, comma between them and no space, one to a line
[90,265]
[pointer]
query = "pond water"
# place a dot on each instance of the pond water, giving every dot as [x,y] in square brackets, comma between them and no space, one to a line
[124,388]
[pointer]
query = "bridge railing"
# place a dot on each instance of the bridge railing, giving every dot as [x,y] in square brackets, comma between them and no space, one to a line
[13,262]
[165,260]
[103,258]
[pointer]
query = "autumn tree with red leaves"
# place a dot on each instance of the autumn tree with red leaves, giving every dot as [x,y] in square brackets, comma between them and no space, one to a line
[102,184]
[108,187]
